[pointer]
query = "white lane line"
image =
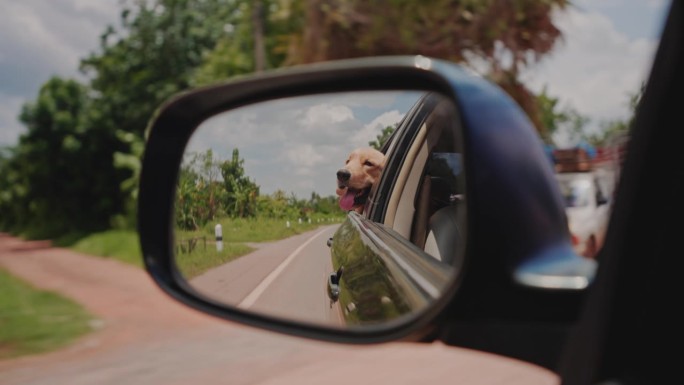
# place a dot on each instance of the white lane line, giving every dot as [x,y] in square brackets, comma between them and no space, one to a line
[261,288]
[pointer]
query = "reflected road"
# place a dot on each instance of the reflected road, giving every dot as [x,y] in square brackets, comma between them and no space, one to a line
[285,278]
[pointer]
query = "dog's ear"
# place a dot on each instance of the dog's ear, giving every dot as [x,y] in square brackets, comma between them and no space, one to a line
[381,159]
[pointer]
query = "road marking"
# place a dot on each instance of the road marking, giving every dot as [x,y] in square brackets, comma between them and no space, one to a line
[261,288]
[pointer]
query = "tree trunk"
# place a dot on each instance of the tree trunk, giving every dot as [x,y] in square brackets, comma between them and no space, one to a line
[258,25]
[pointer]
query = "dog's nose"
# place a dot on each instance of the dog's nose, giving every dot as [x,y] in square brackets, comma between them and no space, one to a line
[343,175]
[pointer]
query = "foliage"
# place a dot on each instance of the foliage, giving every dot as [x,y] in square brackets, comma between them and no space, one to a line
[504,36]
[446,29]
[76,169]
[256,39]
[209,188]
[55,172]
[382,137]
[153,56]
[615,129]
[276,206]
[240,191]
[200,193]
[555,119]
[122,245]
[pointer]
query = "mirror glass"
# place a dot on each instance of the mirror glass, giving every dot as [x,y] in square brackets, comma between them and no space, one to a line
[257,206]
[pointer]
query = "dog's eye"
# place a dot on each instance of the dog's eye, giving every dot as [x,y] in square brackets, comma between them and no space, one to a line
[368,163]
[347,161]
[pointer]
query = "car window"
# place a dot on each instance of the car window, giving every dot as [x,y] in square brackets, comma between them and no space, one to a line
[426,199]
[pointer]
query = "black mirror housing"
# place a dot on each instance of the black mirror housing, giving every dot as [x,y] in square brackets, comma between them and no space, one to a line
[520,263]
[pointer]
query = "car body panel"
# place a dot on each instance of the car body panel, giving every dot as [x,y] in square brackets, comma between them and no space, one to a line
[385,276]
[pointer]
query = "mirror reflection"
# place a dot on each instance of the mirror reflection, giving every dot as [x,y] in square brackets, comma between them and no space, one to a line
[287,207]
[260,197]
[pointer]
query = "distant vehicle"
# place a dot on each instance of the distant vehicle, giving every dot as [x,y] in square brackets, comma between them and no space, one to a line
[587,207]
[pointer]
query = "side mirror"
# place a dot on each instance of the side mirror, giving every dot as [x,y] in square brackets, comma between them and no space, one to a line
[511,265]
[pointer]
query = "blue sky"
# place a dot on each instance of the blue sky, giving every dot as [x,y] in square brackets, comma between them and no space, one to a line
[605,55]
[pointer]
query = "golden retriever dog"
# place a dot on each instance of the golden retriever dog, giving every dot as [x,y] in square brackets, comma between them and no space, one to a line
[354,181]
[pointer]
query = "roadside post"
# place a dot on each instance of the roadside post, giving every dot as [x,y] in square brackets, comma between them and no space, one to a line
[219,237]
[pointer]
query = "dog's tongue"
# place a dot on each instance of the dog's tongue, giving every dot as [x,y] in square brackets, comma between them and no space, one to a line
[347,201]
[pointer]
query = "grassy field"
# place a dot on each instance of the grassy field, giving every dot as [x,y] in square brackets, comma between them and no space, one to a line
[34,321]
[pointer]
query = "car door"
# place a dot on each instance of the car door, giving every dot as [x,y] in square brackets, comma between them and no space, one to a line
[408,237]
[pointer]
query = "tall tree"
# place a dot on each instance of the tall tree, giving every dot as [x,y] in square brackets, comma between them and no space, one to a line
[241,191]
[199,192]
[154,55]
[54,182]
[257,40]
[258,27]
[506,35]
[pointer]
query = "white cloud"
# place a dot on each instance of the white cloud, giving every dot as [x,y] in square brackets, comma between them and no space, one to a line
[304,157]
[595,68]
[44,38]
[326,114]
[370,131]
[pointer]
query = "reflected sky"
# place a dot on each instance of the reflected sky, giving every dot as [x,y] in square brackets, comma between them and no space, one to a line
[298,144]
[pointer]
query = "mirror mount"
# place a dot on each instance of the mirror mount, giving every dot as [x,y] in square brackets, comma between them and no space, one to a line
[334,285]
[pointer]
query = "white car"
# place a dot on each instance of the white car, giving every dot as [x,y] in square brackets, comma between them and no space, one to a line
[587,198]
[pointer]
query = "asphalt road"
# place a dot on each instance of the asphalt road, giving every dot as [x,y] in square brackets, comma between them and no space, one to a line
[285,278]
[142,337]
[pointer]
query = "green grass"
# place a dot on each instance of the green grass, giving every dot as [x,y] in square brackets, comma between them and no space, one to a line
[34,321]
[122,245]
[256,229]
[201,258]
[236,233]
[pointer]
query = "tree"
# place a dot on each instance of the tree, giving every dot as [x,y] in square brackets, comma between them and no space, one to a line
[54,184]
[137,68]
[504,35]
[255,41]
[383,137]
[619,128]
[555,119]
[241,191]
[199,193]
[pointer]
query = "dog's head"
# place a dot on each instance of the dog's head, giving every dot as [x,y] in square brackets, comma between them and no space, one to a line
[359,174]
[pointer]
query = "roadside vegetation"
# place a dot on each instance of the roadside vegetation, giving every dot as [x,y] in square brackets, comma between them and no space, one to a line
[196,250]
[122,245]
[34,321]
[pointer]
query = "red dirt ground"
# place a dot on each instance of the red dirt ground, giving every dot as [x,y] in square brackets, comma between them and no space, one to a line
[141,336]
